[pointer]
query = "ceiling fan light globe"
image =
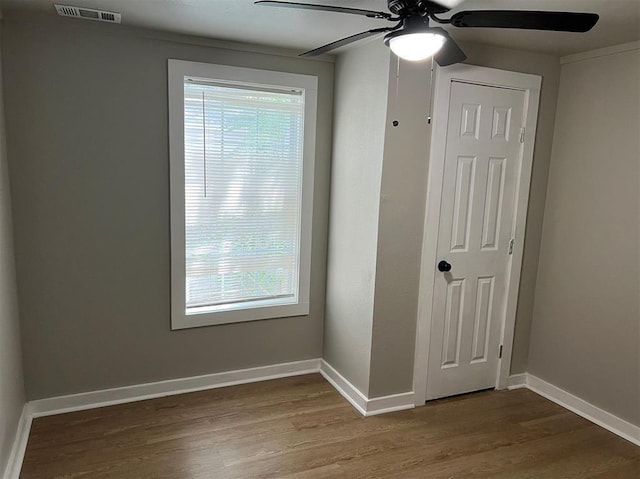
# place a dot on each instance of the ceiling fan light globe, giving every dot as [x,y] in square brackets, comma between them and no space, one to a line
[415,47]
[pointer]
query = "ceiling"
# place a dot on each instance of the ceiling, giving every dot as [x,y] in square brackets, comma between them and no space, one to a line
[240,20]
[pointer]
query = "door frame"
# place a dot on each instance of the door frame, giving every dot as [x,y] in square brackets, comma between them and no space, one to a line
[530,85]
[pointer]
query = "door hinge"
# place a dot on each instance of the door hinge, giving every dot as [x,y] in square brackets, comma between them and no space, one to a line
[511,243]
[522,135]
[500,352]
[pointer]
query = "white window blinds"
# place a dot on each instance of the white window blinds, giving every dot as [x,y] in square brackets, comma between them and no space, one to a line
[243,192]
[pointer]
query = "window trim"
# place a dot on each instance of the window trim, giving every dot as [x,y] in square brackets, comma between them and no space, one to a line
[177,71]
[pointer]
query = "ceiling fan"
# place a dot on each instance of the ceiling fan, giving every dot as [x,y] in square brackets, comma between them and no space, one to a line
[412,37]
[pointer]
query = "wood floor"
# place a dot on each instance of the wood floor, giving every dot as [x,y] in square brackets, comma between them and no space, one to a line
[302,428]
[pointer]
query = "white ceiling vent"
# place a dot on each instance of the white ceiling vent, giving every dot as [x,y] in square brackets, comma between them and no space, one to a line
[88,13]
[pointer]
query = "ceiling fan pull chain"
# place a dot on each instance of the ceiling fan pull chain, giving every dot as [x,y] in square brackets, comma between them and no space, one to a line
[395,104]
[429,112]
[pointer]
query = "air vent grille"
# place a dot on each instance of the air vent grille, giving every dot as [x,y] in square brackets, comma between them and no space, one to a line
[67,11]
[88,13]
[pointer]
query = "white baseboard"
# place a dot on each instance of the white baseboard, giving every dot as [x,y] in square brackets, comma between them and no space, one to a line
[394,402]
[19,447]
[139,392]
[364,405]
[517,381]
[344,387]
[599,416]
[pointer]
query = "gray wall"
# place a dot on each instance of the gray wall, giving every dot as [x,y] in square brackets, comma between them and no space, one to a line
[11,384]
[89,168]
[549,68]
[361,85]
[586,330]
[401,224]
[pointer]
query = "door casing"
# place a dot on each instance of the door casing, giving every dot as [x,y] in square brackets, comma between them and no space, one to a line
[530,85]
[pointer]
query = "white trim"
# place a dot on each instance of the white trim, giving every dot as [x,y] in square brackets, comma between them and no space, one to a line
[177,70]
[344,387]
[364,405]
[394,402]
[600,52]
[14,464]
[599,416]
[517,381]
[140,392]
[577,405]
[530,84]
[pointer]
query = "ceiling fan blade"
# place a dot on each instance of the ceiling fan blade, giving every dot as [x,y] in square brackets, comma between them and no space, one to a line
[345,41]
[528,20]
[324,8]
[450,52]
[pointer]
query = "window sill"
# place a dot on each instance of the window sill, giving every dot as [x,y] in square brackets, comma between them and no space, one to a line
[180,320]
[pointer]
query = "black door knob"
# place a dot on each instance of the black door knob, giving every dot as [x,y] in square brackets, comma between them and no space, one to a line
[444,266]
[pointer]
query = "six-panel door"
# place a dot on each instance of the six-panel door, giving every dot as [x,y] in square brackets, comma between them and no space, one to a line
[482,165]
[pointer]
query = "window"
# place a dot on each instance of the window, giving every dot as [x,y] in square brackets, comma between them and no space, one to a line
[242,146]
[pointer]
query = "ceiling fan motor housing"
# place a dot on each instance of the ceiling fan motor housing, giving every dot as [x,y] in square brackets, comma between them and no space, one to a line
[404,8]
[412,24]
[398,6]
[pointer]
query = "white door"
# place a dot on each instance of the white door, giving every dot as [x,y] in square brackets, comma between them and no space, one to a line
[482,163]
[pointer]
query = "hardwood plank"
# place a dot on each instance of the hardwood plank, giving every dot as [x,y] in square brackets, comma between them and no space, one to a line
[301,428]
